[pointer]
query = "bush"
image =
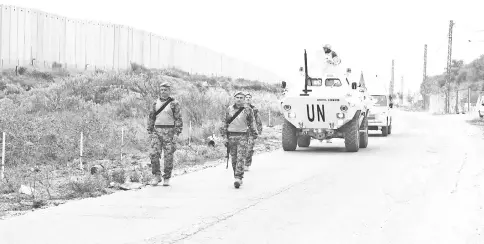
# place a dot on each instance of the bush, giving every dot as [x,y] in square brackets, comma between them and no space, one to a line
[44,124]
[22,70]
[43,115]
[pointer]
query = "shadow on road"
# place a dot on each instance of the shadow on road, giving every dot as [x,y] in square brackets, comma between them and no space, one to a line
[321,148]
[337,147]
[388,136]
[375,135]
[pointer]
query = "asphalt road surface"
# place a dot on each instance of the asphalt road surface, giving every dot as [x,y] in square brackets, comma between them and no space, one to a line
[421,184]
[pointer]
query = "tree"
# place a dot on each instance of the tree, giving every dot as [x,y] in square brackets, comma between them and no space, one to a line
[460,72]
[410,98]
[476,69]
[457,73]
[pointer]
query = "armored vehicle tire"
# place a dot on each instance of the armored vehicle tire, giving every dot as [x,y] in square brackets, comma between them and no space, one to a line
[390,129]
[352,136]
[364,135]
[303,141]
[384,130]
[289,136]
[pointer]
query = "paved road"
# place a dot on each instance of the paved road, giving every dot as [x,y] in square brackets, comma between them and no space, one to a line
[422,184]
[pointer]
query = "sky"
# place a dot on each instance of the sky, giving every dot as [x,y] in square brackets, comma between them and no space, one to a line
[367,35]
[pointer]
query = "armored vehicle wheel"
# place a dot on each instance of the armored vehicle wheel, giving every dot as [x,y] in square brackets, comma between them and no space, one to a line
[364,135]
[303,141]
[352,136]
[289,136]
[384,130]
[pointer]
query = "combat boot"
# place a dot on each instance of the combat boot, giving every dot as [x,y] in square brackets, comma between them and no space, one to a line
[155,180]
[166,182]
[237,183]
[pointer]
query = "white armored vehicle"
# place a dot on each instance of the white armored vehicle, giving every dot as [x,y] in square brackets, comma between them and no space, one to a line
[330,106]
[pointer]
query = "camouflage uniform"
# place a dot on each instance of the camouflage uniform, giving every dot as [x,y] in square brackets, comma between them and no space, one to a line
[237,133]
[162,129]
[251,140]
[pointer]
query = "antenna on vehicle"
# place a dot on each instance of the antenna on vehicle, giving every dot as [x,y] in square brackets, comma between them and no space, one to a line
[306,76]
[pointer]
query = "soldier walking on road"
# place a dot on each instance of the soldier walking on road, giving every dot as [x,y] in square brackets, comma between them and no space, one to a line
[258,125]
[238,123]
[164,126]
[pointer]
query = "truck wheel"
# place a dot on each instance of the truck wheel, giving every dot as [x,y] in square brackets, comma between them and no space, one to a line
[303,141]
[352,136]
[289,136]
[364,135]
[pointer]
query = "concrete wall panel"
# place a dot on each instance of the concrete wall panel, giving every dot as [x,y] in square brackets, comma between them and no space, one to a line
[70,44]
[27,48]
[5,38]
[22,60]
[13,57]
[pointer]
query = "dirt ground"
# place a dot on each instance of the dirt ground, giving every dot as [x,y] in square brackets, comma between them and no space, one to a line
[27,189]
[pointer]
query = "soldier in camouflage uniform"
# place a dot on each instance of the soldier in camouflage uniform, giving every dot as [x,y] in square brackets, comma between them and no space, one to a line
[164,128]
[236,134]
[251,140]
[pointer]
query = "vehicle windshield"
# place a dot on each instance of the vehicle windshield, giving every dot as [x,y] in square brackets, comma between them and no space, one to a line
[332,82]
[379,100]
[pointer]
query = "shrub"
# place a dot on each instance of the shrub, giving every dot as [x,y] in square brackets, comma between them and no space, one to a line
[22,70]
[44,124]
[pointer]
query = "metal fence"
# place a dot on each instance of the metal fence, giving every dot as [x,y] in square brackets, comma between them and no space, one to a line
[35,38]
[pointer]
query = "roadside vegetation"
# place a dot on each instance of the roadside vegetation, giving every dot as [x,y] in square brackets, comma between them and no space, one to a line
[462,77]
[45,115]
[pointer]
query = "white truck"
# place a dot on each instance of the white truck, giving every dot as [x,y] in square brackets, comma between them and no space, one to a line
[380,117]
[330,106]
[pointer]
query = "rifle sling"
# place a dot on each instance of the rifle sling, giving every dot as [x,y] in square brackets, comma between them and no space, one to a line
[235,115]
[163,107]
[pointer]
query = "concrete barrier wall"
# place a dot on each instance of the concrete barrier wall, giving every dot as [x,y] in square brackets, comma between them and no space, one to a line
[30,37]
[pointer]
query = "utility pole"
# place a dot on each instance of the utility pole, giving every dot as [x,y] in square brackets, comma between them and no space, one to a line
[449,63]
[469,100]
[457,100]
[425,71]
[401,82]
[392,81]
